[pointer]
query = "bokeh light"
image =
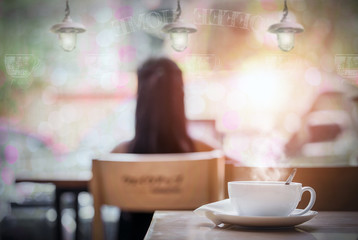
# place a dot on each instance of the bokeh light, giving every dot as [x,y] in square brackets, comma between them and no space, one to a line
[59,76]
[11,154]
[313,76]
[263,88]
[231,120]
[7,175]
[234,75]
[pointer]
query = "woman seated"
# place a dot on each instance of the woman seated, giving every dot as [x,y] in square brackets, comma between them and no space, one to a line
[160,127]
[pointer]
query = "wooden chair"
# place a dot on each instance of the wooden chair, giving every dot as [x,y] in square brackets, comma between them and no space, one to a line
[149,182]
[336,187]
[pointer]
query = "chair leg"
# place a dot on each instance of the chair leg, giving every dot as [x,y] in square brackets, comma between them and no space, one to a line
[77,219]
[58,212]
[97,224]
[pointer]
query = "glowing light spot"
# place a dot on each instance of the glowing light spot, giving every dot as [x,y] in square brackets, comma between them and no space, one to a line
[110,213]
[51,215]
[86,212]
[265,89]
[7,175]
[313,76]
[59,76]
[68,222]
[11,154]
[231,120]
[85,199]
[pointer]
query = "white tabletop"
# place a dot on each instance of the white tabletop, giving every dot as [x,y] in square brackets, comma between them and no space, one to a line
[180,225]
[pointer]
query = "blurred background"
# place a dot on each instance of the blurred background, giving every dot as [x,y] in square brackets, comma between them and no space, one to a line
[262,106]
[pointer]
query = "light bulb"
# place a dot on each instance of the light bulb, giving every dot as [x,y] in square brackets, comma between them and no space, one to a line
[286,40]
[179,40]
[68,41]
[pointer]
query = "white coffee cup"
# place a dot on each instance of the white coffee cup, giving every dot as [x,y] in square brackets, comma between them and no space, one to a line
[258,198]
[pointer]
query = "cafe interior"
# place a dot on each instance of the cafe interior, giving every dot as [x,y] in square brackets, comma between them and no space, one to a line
[270,85]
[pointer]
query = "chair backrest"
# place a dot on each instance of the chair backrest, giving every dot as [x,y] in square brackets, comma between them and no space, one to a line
[336,187]
[149,182]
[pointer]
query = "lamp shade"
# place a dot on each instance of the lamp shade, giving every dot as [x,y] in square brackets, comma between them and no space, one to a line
[68,26]
[179,31]
[67,33]
[286,26]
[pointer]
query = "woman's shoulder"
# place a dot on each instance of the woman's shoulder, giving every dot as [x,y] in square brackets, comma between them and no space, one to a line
[121,148]
[201,146]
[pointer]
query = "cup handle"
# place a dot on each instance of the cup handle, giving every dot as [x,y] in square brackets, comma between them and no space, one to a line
[310,204]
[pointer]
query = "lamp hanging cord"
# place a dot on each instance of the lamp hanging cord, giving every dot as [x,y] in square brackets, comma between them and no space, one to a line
[285,11]
[178,11]
[67,10]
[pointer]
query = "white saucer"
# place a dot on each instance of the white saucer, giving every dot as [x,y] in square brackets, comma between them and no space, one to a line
[222,212]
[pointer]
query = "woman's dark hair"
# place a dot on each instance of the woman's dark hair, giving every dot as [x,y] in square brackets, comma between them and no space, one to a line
[160,125]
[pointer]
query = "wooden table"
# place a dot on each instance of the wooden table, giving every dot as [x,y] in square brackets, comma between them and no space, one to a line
[180,225]
[64,182]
